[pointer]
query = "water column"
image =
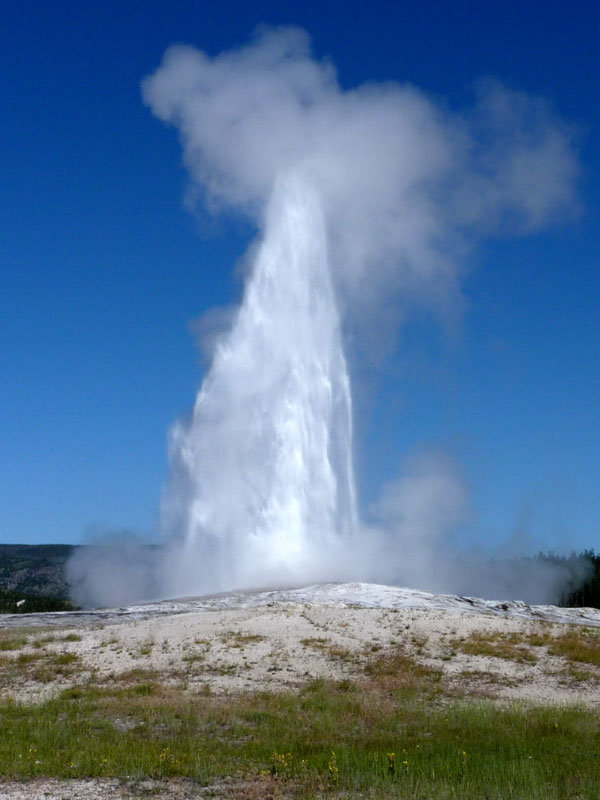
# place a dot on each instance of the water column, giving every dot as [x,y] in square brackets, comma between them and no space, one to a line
[263,487]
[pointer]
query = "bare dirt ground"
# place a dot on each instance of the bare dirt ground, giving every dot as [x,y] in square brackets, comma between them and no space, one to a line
[281,646]
[113,789]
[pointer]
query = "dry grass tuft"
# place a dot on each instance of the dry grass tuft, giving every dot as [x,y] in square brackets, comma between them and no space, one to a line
[328,648]
[578,645]
[395,671]
[511,646]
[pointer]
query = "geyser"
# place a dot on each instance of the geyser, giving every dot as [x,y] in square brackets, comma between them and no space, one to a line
[367,201]
[263,487]
[359,195]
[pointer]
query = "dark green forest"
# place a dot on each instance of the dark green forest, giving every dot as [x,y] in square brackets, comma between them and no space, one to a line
[19,603]
[32,578]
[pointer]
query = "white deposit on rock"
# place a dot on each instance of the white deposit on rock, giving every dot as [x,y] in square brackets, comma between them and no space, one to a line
[359,595]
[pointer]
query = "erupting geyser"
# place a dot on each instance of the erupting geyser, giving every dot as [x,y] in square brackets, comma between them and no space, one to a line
[362,197]
[358,195]
[264,486]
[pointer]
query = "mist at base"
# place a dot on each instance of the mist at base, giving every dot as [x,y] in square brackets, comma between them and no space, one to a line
[362,198]
[412,551]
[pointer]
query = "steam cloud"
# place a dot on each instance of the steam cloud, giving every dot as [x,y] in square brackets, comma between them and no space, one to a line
[358,195]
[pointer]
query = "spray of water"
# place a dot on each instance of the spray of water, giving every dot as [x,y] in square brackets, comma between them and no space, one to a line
[263,485]
[367,201]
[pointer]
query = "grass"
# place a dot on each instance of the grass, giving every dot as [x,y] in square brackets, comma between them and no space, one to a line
[13,641]
[194,656]
[72,637]
[37,664]
[511,646]
[241,639]
[327,647]
[485,677]
[145,648]
[396,730]
[582,646]
[385,737]
[575,645]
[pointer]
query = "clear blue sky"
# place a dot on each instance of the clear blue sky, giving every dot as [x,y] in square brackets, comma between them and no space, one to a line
[102,268]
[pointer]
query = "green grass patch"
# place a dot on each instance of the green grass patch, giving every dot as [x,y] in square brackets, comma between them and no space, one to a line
[72,637]
[394,733]
[13,641]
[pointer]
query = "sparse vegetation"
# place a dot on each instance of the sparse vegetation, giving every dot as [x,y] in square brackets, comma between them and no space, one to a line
[196,655]
[510,646]
[329,648]
[72,637]
[12,641]
[575,645]
[28,658]
[145,648]
[393,734]
[581,645]
[238,639]
[485,677]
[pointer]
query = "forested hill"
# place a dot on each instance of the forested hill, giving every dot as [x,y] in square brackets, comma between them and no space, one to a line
[37,569]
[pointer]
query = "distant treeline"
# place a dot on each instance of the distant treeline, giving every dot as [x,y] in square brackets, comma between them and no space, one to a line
[19,603]
[582,586]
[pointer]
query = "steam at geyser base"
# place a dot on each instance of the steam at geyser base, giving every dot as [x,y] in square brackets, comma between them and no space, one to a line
[358,195]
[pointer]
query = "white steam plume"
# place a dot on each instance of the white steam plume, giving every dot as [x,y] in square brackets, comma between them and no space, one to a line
[359,195]
[404,182]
